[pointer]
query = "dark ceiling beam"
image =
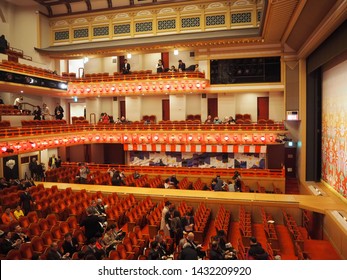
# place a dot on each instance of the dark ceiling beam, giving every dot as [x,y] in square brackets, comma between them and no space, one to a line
[89,5]
[68,7]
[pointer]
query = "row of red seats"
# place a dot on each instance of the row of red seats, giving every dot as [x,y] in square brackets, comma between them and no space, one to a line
[270,231]
[222,220]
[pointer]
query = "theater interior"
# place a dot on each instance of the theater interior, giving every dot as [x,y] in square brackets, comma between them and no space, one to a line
[262,93]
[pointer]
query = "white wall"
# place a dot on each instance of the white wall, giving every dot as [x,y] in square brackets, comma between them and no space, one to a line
[133,108]
[75,64]
[150,61]
[246,103]
[152,105]
[226,105]
[77,110]
[193,104]
[178,107]
[276,106]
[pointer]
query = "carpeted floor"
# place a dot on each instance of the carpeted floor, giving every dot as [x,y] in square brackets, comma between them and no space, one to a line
[320,250]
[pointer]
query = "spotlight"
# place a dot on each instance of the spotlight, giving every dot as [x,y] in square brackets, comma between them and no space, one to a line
[63,86]
[175,52]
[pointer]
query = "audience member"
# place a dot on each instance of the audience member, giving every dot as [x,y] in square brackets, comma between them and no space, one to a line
[216,120]
[172,69]
[196,68]
[110,239]
[165,224]
[7,243]
[125,69]
[256,251]
[168,184]
[155,253]
[93,250]
[160,66]
[25,200]
[3,183]
[237,181]
[1,101]
[46,115]
[209,120]
[18,103]
[174,180]
[83,173]
[188,222]
[176,229]
[52,162]
[58,112]
[55,254]
[33,168]
[37,113]
[92,224]
[19,234]
[8,217]
[181,66]
[58,162]
[197,247]
[136,175]
[18,212]
[4,46]
[215,252]
[70,244]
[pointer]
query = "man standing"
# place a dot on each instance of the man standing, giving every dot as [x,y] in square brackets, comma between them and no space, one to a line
[33,168]
[52,162]
[126,67]
[181,66]
[25,201]
[18,103]
[46,115]
[58,112]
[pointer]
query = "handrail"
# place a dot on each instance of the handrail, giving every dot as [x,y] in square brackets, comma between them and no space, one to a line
[44,128]
[268,173]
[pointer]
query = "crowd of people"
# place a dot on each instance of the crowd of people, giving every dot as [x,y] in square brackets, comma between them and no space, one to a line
[160,67]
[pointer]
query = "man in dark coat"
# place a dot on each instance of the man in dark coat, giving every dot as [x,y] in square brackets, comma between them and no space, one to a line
[25,200]
[92,224]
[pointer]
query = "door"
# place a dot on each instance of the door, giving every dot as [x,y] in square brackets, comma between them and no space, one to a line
[263,108]
[122,109]
[212,107]
[165,105]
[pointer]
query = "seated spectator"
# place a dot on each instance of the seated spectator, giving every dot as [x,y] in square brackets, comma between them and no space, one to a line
[225,247]
[216,120]
[215,252]
[218,184]
[55,254]
[18,212]
[197,247]
[188,222]
[209,120]
[188,252]
[116,179]
[8,243]
[196,68]
[101,207]
[93,250]
[136,175]
[105,118]
[110,239]
[18,234]
[70,245]
[18,103]
[174,180]
[172,69]
[168,184]
[8,217]
[3,183]
[256,251]
[155,252]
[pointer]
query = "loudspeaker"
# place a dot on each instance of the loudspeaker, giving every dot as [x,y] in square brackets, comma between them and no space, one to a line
[114,60]
[192,54]
[115,98]
[203,95]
